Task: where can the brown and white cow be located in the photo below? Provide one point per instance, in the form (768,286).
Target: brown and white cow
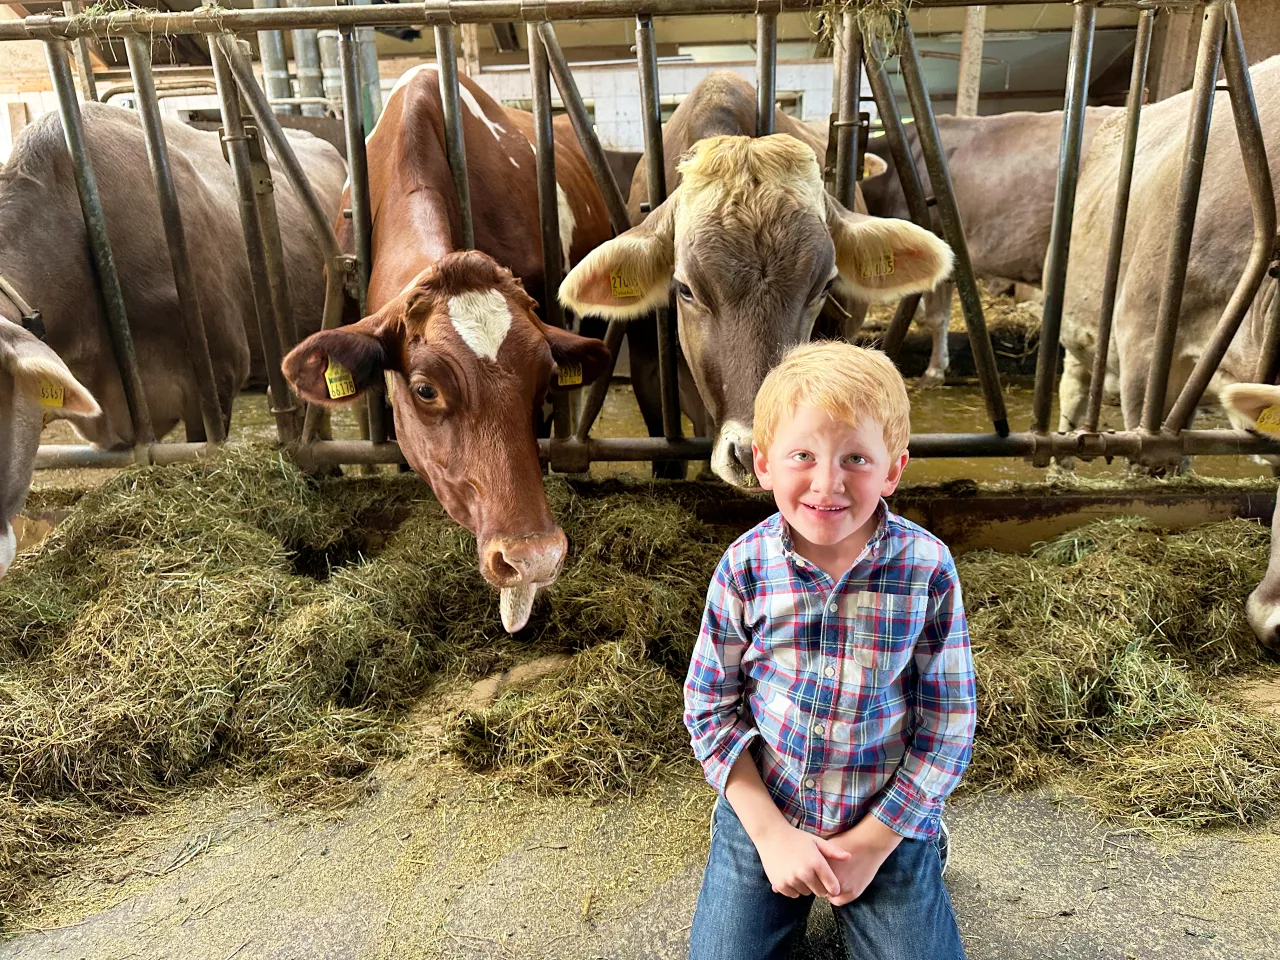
(469,359)
(1246,403)
(1003,171)
(44,254)
(1219,250)
(35,386)
(753,244)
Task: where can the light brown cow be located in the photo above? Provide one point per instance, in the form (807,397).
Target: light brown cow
(35,386)
(1219,249)
(1003,172)
(753,244)
(44,253)
(470,361)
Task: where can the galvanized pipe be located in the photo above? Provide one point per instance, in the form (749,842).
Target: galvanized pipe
(431,12)
(95,224)
(766,71)
(84,57)
(330,66)
(984,357)
(1269,355)
(275,65)
(1084,15)
(598,392)
(281,401)
(656,178)
(370,77)
(361,221)
(615,203)
(306,65)
(454,137)
(1111,280)
(1132,444)
(850,93)
(904,162)
(1184,224)
(184,280)
(1253,150)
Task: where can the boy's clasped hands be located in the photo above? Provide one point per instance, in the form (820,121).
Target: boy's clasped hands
(838,868)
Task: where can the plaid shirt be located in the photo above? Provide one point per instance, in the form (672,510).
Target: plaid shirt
(857,697)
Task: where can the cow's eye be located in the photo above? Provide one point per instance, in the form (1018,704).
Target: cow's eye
(826,289)
(426,392)
(683,291)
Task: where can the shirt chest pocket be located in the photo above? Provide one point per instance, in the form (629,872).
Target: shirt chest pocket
(883,629)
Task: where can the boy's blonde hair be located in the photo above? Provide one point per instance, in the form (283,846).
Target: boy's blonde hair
(848,382)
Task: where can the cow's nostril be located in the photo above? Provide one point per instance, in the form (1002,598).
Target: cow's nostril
(742,453)
(502,570)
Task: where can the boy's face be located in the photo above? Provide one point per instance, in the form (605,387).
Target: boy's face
(826,476)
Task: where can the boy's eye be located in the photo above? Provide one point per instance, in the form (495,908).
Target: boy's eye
(802,456)
(855,458)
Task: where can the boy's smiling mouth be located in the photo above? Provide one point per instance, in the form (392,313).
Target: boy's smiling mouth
(824,508)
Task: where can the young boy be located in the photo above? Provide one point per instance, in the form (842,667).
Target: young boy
(831,694)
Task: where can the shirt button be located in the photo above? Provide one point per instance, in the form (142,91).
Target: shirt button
(819,729)
(809,783)
(833,607)
(830,671)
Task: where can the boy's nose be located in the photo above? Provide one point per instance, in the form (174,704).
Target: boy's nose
(827,479)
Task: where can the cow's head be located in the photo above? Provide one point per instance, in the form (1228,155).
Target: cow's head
(470,365)
(1248,404)
(753,244)
(35,386)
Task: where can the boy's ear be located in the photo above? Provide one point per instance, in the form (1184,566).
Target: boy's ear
(336,366)
(630,275)
(579,360)
(881,258)
(895,474)
(760,463)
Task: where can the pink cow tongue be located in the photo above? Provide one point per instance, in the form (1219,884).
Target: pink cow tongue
(516,603)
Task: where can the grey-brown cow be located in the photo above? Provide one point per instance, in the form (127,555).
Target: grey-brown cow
(1003,171)
(44,253)
(35,386)
(753,244)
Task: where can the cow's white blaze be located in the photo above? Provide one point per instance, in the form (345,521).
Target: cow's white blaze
(723,461)
(8,547)
(567,224)
(482,319)
(473,105)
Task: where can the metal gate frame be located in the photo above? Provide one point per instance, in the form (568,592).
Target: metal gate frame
(1156,443)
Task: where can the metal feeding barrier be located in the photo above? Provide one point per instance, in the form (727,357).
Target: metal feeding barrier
(1157,442)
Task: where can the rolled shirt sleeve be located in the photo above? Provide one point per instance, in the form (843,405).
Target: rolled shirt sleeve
(714,713)
(945,707)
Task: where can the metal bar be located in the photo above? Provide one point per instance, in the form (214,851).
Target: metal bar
(548,206)
(969,71)
(896,334)
(184,281)
(280,398)
(615,203)
(306,65)
(1269,355)
(847,173)
(599,390)
(275,66)
(766,71)
(984,356)
(1184,224)
(431,12)
(1084,16)
(454,139)
(655,170)
(1111,280)
(1253,150)
(1200,443)
(84,57)
(330,66)
(95,224)
(370,77)
(361,222)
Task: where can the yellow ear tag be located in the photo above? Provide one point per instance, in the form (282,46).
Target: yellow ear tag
(882,267)
(1269,421)
(338,379)
(623,287)
(569,375)
(52,393)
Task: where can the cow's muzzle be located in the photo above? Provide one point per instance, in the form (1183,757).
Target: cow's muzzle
(731,459)
(1264,618)
(518,566)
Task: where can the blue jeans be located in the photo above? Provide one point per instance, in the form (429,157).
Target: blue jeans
(904,914)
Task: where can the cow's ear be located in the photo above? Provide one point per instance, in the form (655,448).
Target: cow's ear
(880,258)
(579,360)
(630,275)
(336,366)
(48,379)
(1246,403)
(873,166)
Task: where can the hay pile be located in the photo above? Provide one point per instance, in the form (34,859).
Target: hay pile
(233,619)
